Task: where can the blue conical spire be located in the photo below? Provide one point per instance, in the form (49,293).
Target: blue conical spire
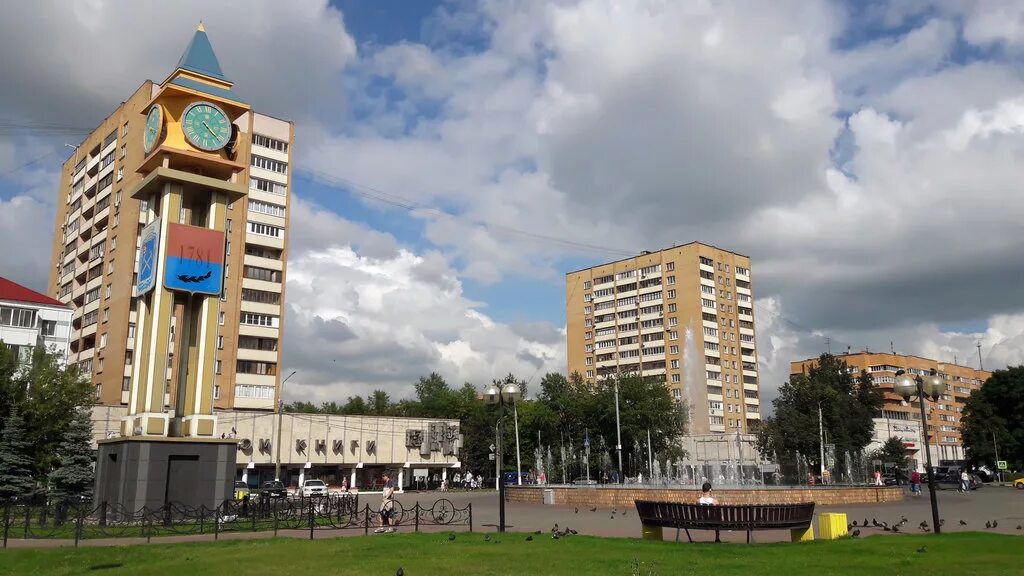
(199,56)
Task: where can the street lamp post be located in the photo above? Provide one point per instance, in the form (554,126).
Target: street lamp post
(508,394)
(280,409)
(930,386)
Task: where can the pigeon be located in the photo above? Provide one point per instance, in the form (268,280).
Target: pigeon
(926,529)
(400,572)
(923,524)
(854,523)
(903,520)
(865,524)
(962,523)
(612,517)
(850,526)
(942,521)
(623,513)
(896,528)
(875,523)
(537,532)
(529,538)
(594,509)
(451,537)
(856,533)
(988,524)
(995,523)
(577,511)
(887,529)
(1019,526)
(555,536)
(573,532)
(487,537)
(922,549)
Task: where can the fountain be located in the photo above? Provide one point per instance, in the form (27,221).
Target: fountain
(538,462)
(693,374)
(656,473)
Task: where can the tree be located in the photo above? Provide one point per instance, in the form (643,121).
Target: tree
(45,394)
(16,470)
(993,416)
(893,451)
(73,476)
(379,403)
(848,406)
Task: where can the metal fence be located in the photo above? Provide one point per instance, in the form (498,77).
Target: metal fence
(85,521)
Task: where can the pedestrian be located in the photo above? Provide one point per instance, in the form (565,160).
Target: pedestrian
(387,505)
(706,499)
(479,481)
(915,483)
(878,478)
(965,481)
(344,485)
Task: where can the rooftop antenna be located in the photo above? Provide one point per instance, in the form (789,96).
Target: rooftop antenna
(980,365)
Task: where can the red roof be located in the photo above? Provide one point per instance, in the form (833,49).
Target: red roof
(18,293)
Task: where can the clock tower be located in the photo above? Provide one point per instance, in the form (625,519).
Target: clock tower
(170,447)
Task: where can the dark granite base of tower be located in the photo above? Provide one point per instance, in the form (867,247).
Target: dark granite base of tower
(151,471)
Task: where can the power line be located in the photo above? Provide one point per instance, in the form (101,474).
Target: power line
(29,163)
(410,205)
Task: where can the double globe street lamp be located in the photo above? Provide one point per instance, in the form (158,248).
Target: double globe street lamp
(931,386)
(501,395)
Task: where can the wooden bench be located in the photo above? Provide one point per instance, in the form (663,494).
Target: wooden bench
(747,517)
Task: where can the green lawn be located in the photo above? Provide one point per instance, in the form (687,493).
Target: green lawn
(961,554)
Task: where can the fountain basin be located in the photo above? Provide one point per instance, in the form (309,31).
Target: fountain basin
(623,496)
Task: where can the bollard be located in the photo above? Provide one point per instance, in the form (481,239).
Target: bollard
(649,532)
(802,534)
(416,510)
(831,525)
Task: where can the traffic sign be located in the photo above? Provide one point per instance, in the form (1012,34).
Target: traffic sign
(1001,464)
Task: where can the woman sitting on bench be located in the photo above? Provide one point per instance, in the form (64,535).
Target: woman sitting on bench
(706,499)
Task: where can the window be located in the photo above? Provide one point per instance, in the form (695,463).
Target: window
(590,373)
(268,164)
(590,360)
(253,319)
(266,230)
(673,349)
(672,321)
(255,343)
(216,391)
(676,392)
(48,327)
(221,319)
(254,367)
(216,366)
(586,285)
(263,274)
(586,309)
(267,186)
(120,174)
(672,293)
(124,150)
(262,252)
(673,335)
(588,322)
(589,348)
(254,391)
(129,356)
(131,330)
(670,266)
(17,317)
(671,280)
(674,364)
(261,296)
(110,267)
(742,271)
(268,142)
(711,346)
(714,375)
(126,384)
(711,332)
(587,336)
(106,315)
(707,303)
(266,208)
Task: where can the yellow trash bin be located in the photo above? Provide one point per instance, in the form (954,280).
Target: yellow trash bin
(651,532)
(802,534)
(831,526)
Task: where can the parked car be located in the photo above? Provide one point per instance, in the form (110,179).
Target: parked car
(584,481)
(510,478)
(273,489)
(314,488)
(1019,483)
(241,490)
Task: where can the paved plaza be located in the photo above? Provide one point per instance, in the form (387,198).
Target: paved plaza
(991,503)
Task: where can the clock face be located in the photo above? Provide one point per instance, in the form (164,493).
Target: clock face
(206,126)
(154,127)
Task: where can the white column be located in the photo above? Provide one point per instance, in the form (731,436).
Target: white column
(302,476)
(401,478)
(444,474)
(352,482)
(245,475)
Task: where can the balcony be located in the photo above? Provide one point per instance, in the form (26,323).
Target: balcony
(258,331)
(752,387)
(261,240)
(268,263)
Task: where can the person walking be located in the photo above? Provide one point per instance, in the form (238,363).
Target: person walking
(965,482)
(915,483)
(387,505)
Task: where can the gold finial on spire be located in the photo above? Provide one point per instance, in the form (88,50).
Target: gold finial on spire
(201,28)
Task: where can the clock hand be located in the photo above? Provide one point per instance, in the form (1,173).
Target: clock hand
(211,130)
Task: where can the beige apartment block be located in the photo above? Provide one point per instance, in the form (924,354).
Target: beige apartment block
(95,260)
(902,419)
(684,314)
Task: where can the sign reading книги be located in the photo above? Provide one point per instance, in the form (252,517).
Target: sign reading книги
(194,259)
